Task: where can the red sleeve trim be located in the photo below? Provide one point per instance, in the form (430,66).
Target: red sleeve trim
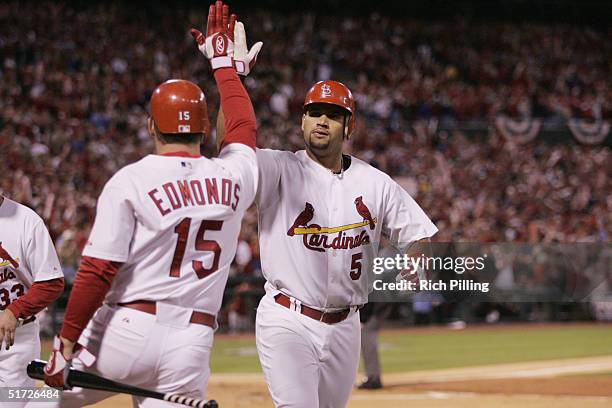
(240,123)
(92,283)
(39,296)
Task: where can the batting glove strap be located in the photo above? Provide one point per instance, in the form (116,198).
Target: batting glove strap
(221,62)
(84,356)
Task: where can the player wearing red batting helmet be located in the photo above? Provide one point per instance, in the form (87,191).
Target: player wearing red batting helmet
(322,215)
(178,107)
(333,93)
(328,120)
(144,303)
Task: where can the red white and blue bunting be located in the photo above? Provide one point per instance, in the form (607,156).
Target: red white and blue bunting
(588,131)
(519,130)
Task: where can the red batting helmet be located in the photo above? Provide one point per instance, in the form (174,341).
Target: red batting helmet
(179,106)
(335,93)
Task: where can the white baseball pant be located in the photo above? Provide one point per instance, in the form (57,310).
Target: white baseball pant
(162,352)
(306,363)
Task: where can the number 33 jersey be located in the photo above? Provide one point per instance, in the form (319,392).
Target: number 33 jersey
(27,254)
(319,232)
(173,221)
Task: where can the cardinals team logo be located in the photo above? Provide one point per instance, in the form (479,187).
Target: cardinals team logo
(318,238)
(7,259)
(326,90)
(363,210)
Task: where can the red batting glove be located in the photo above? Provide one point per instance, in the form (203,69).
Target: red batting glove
(57,368)
(218,46)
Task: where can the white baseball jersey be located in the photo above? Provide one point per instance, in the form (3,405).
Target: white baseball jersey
(174,222)
(319,232)
(27,254)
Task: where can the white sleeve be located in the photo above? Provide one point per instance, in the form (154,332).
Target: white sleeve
(42,257)
(241,162)
(113,228)
(404,220)
(269,162)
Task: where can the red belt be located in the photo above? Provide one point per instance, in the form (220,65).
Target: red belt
(325,317)
(149,307)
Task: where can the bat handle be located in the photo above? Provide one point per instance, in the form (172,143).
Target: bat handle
(190,402)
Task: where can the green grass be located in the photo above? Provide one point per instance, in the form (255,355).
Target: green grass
(424,351)
(447,348)
(410,351)
(234,356)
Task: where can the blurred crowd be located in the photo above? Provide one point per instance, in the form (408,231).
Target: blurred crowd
(75,85)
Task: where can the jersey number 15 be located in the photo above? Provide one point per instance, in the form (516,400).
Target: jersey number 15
(201,244)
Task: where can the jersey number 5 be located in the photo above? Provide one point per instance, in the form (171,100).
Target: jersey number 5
(201,244)
(356,266)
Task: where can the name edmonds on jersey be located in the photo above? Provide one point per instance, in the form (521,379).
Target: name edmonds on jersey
(182,193)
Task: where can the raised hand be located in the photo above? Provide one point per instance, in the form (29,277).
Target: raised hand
(218,45)
(244,59)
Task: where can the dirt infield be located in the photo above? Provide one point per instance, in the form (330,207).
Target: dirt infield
(249,397)
(583,386)
(542,367)
(511,386)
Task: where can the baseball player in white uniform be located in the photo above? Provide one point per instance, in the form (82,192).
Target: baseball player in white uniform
(321,218)
(30,279)
(165,233)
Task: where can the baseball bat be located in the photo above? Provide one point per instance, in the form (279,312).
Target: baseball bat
(82,379)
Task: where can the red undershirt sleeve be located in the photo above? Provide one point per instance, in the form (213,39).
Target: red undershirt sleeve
(39,296)
(240,123)
(92,283)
